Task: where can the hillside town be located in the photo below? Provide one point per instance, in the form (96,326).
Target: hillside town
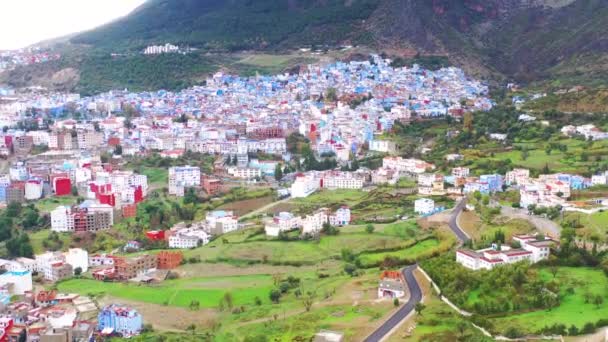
(296,135)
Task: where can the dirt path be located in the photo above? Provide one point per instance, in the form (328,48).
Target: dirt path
(264,208)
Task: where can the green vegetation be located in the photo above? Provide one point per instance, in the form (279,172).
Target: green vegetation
(418,250)
(591,227)
(15,221)
(585,101)
(179,292)
(155,167)
(507,289)
(44,240)
(46,205)
(219,25)
(426,62)
(578,288)
(380,205)
(139,72)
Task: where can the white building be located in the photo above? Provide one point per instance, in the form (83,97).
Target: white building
(282,222)
(77,257)
(517,176)
(312,224)
(414,166)
(183,177)
(304,185)
(532,250)
(244,173)
(461,172)
(385,146)
(62,220)
(341,217)
(17,282)
(45,262)
(188,238)
(33,189)
(160,49)
(221,222)
(424,206)
(342,180)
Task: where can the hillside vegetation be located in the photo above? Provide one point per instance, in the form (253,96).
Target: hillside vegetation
(526,40)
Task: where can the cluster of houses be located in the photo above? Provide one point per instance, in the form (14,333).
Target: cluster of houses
(238,117)
(144,268)
(589,131)
(49,316)
(184,177)
(108,194)
(12,58)
(310,224)
(196,234)
(531,249)
(51,266)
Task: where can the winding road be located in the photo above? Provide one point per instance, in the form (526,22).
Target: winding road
(453,223)
(404,311)
(415,293)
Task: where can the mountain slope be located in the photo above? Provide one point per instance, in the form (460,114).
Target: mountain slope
(523,39)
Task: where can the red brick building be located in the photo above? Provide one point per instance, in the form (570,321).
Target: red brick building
(211,185)
(129,210)
(169,260)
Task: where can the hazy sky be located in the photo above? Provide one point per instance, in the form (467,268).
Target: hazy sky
(25,22)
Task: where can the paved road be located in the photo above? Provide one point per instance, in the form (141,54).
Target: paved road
(401,314)
(453,223)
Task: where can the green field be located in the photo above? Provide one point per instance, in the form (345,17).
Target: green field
(572,309)
(243,247)
(180,292)
(570,160)
(423,248)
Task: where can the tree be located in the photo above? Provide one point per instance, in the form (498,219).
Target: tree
(308,300)
(462,329)
(419,308)
(78,271)
(191,328)
(350,269)
(554,270)
(598,300)
(396,302)
(278,172)
(257,301)
(74,190)
(195,305)
(274,295)
(228,300)
(369,228)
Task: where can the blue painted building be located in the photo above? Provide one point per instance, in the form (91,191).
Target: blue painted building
(120,319)
(494,182)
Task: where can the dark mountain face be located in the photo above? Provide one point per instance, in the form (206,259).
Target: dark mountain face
(522,39)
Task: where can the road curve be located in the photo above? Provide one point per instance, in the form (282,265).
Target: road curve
(453,223)
(406,309)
